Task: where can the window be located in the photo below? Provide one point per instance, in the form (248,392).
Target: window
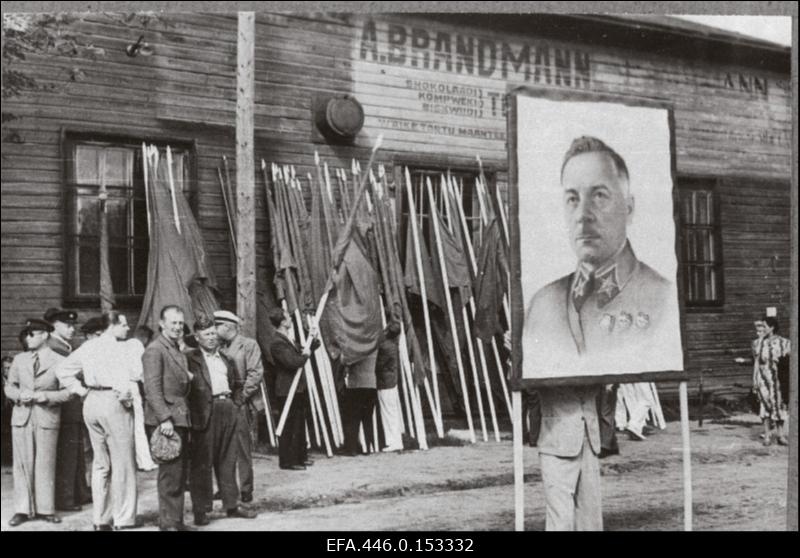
(701,253)
(117,166)
(466,190)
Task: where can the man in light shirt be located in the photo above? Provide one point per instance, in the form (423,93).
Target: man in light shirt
(214,405)
(107,411)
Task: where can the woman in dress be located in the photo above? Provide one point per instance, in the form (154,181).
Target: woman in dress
(771,358)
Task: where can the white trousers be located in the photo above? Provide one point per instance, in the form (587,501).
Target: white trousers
(144,460)
(572,491)
(391,417)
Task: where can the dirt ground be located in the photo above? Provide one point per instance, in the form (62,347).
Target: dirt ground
(737,485)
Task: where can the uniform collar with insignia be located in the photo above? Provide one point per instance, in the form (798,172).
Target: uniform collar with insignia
(607,280)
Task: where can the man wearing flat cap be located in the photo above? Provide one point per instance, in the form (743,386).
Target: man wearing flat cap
(34,390)
(72,490)
(246,355)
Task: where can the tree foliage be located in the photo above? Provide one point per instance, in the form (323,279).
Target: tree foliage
(53,34)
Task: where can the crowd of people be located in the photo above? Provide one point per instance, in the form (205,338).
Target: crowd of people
(183,402)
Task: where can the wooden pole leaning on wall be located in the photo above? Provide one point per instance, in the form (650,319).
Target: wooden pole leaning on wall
(495,351)
(450,311)
(687,458)
(245,173)
(445,186)
(471,304)
(412,213)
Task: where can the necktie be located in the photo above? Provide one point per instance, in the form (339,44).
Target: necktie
(35,363)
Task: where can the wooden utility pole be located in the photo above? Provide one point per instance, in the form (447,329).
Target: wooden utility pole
(245,174)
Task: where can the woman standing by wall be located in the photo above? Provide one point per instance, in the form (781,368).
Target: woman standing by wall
(771,360)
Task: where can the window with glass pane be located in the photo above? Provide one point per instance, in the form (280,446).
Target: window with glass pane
(700,246)
(118,167)
(466,192)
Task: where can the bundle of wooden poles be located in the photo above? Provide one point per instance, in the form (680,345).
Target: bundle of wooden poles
(363,195)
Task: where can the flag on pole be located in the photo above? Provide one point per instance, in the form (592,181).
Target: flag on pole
(490,283)
(354,306)
(178,271)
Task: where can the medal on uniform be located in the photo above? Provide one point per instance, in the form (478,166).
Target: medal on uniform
(607,322)
(624,322)
(642,320)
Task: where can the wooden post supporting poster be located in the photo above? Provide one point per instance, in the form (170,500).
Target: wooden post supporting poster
(519,463)
(687,459)
(245,174)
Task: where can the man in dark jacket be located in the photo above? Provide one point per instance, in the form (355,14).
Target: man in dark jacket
(72,490)
(214,408)
(288,359)
(167,382)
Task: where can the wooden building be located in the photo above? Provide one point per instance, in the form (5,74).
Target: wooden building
(434,85)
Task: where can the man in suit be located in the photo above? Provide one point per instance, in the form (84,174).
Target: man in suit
(167,383)
(32,387)
(613,314)
(214,407)
(287,360)
(71,488)
(246,354)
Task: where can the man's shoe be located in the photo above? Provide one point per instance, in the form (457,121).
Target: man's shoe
(389,449)
(103,527)
(308,462)
(635,436)
(18,519)
(201,519)
(241,512)
(247,497)
(782,441)
(126,527)
(291,468)
(604,452)
(50,518)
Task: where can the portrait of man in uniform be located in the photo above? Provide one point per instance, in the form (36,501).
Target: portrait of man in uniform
(609,310)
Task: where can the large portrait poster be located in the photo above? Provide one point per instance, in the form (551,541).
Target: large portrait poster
(597,291)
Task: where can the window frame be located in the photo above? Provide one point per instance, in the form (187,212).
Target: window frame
(69,137)
(713,185)
(438,163)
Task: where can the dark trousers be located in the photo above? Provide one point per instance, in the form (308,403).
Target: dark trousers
(172,482)
(359,403)
(244,442)
(292,448)
(606,409)
(214,450)
(71,486)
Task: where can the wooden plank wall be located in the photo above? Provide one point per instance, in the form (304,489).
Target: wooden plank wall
(731,122)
